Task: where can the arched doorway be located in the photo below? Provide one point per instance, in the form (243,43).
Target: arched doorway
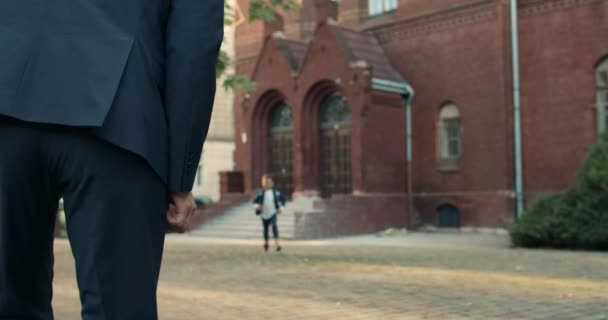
(335,125)
(280,140)
(449,216)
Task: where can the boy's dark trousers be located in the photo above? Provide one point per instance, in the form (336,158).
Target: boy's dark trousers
(267,224)
(116,219)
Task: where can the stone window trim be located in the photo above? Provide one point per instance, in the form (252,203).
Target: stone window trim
(601,91)
(449,138)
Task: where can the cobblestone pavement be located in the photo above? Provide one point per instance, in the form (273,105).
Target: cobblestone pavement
(237,281)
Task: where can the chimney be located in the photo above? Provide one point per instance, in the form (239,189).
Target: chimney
(316,12)
(249,37)
(351,12)
(325,10)
(270,27)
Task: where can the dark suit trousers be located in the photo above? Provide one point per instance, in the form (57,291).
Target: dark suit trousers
(115,210)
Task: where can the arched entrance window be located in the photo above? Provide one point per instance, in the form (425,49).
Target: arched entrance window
(335,123)
(281,147)
(449,216)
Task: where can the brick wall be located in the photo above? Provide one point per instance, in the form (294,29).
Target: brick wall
(561,42)
(494,209)
(384,146)
(459,52)
(458,56)
(351,215)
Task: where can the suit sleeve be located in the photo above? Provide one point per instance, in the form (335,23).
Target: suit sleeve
(194,35)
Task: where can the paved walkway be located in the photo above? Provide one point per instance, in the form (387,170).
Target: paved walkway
(435,240)
(361,278)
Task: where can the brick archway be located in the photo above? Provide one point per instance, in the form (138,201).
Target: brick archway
(260,124)
(310,166)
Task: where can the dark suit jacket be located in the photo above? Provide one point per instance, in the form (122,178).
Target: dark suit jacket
(139,73)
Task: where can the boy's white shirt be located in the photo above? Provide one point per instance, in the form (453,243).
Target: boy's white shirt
(268,207)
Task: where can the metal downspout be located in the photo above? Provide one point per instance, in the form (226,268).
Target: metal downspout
(409,154)
(517,134)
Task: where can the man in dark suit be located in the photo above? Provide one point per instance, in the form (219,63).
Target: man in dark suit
(105,103)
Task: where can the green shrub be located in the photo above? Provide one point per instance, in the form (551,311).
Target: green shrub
(577,219)
(540,223)
(587,219)
(594,173)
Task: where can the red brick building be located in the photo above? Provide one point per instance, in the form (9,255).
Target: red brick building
(322,121)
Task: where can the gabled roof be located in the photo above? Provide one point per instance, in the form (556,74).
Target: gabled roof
(293,51)
(360,49)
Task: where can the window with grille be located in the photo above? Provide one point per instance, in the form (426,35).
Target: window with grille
(601,75)
(336,168)
(281,147)
(376,7)
(449,138)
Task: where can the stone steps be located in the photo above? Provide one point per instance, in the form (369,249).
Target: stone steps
(242,223)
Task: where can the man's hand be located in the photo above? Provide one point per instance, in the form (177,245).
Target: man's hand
(181,208)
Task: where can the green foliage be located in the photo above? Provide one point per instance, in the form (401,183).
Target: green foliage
(239,82)
(576,219)
(232,81)
(223,62)
(536,226)
(594,173)
(259,10)
(265,10)
(228,14)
